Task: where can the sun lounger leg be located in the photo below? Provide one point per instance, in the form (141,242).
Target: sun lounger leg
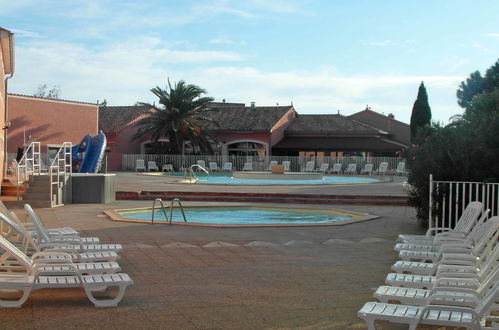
(16,303)
(112,302)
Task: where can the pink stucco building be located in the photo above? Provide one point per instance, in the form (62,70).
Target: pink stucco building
(6,70)
(263,131)
(49,121)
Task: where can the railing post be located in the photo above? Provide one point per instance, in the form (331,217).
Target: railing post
(430,203)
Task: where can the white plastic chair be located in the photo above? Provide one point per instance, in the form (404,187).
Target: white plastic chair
(286,164)
(382,168)
(167,168)
(309,166)
(248,166)
(272,163)
(151,166)
(351,169)
(323,168)
(139,165)
(213,166)
(368,169)
(400,170)
(337,168)
(227,167)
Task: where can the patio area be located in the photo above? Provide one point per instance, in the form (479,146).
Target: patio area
(229,278)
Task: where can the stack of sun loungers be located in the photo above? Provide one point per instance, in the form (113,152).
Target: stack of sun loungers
(446,279)
(33,257)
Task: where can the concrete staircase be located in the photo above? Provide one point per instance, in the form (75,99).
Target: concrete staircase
(38,192)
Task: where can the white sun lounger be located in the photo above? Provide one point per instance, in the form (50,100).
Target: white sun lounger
(227,167)
(309,166)
(467,261)
(19,236)
(248,166)
(476,241)
(77,243)
(457,316)
(286,164)
(444,293)
(323,168)
(91,284)
(463,226)
(368,169)
(382,168)
(469,240)
(351,169)
(337,168)
(14,260)
(62,231)
(213,167)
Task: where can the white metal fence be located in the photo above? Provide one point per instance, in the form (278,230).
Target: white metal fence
(448,199)
(297,163)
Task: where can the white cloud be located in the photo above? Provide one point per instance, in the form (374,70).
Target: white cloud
(226,41)
(492,35)
(123,73)
(25,34)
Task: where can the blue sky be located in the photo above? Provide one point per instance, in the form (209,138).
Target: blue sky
(323,56)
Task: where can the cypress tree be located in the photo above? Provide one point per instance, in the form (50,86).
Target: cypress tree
(421,111)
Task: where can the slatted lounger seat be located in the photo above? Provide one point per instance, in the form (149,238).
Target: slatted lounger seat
(443,294)
(463,226)
(74,243)
(469,240)
(14,260)
(24,242)
(480,237)
(92,284)
(53,232)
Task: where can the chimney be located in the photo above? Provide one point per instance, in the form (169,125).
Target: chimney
(223,100)
(391,116)
(252,107)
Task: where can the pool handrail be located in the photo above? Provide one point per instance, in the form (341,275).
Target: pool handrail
(160,201)
(193,175)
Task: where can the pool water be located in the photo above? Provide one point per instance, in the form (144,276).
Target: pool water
(226,179)
(243,215)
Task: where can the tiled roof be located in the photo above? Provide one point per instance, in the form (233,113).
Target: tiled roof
(241,118)
(328,124)
(114,119)
(399,131)
(371,143)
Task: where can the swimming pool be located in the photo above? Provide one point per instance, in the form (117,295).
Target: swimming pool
(226,179)
(242,216)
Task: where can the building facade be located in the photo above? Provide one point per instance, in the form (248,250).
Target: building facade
(7,71)
(263,131)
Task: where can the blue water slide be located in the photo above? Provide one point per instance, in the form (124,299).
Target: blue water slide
(92,160)
(78,151)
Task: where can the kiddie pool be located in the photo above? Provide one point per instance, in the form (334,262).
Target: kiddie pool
(242,216)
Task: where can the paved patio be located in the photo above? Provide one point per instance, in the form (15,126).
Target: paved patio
(228,278)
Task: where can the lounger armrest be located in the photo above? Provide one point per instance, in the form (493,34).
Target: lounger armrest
(74,244)
(458,259)
(449,248)
(451,235)
(437,297)
(42,257)
(457,271)
(66,238)
(445,282)
(57,247)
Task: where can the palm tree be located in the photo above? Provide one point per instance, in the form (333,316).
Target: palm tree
(181,118)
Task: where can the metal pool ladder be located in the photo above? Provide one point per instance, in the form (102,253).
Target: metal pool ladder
(172,202)
(191,175)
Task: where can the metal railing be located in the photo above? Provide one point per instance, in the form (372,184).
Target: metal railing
(29,164)
(59,172)
(448,199)
(191,175)
(297,163)
(172,202)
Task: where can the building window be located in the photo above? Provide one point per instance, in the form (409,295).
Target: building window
(246,149)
